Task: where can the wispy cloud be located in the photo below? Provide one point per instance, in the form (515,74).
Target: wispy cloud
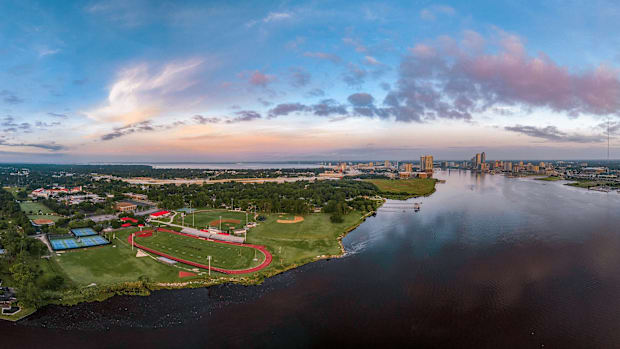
(139,127)
(432,12)
(45,51)
(299,77)
(324,56)
(271,17)
(57,115)
(202,120)
(52,146)
(553,134)
(10,97)
(258,78)
(144,91)
(244,116)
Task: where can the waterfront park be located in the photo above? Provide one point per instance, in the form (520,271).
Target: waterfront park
(283,246)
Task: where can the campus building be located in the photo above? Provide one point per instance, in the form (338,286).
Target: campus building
(47,193)
(125,206)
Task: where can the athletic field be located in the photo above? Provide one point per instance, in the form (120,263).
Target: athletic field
(223,255)
(33,208)
(230,219)
(112,264)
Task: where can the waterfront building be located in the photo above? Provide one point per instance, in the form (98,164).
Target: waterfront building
(426,163)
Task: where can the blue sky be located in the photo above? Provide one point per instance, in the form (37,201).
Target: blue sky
(335,80)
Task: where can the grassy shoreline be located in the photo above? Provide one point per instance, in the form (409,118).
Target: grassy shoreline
(298,244)
(403,189)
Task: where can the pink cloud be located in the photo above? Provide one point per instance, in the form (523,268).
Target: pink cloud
(257,78)
(454,79)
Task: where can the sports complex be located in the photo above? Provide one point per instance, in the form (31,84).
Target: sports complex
(81,238)
(220,219)
(195,251)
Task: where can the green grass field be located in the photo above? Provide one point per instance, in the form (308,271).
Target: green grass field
(290,244)
(202,219)
(405,187)
(108,265)
(300,243)
(54,218)
(223,255)
(549,179)
(286,216)
(32,207)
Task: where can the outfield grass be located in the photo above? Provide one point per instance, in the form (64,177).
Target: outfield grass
(286,216)
(32,207)
(224,256)
(202,219)
(54,218)
(300,243)
(109,265)
(399,188)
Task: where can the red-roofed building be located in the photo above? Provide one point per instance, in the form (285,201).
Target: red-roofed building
(160,214)
(126,225)
(46,193)
(129,219)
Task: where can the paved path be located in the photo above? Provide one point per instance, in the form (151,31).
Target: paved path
(262,249)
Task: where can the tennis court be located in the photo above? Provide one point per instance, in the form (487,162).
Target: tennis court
(79,232)
(73,243)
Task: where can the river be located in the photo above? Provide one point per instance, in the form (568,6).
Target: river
(488,262)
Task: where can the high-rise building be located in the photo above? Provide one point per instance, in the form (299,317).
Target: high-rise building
(483,157)
(408,167)
(426,163)
(387,164)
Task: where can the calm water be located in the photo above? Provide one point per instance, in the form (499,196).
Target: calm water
(488,262)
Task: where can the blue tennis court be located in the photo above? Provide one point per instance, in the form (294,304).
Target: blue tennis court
(78,232)
(73,243)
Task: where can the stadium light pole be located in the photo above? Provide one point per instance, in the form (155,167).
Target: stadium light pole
(220,223)
(193,216)
(209,258)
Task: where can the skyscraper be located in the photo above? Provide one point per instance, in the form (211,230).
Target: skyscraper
(426,163)
(483,157)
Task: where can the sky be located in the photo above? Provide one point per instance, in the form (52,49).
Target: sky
(196,81)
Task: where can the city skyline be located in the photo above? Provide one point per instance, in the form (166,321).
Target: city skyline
(145,81)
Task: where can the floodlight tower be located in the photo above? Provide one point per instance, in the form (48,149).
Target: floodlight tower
(209,258)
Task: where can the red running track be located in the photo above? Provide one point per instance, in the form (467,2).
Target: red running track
(262,249)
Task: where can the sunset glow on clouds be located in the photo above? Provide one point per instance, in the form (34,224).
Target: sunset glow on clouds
(146,81)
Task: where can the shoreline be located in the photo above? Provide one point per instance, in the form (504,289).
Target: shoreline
(142,288)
